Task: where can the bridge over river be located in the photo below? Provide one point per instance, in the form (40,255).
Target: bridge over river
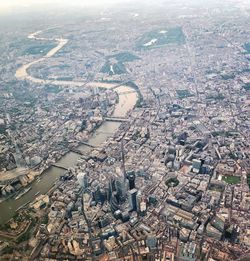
(126,102)
(116,119)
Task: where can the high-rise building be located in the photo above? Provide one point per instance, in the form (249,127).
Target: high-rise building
(177,163)
(113,202)
(123,162)
(171,150)
(131,179)
(121,188)
(132,199)
(96,193)
(125,216)
(196,164)
(82,179)
(142,205)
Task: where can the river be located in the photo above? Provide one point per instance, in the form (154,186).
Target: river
(127,100)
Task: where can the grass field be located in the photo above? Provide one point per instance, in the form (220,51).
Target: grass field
(247,47)
(183,93)
(247,86)
(117,65)
(231,179)
(52,88)
(39,48)
(172,182)
(117,68)
(24,46)
(248,179)
(124,57)
(159,38)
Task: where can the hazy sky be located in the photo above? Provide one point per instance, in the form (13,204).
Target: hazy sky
(7,6)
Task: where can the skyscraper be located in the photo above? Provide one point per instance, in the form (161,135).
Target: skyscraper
(114,205)
(141,203)
(123,163)
(196,164)
(131,179)
(132,199)
(82,179)
(121,189)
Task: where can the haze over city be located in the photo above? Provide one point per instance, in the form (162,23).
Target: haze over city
(124,130)
(14,5)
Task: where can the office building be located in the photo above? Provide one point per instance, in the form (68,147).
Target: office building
(131,179)
(132,199)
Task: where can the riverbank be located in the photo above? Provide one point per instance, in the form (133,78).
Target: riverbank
(128,97)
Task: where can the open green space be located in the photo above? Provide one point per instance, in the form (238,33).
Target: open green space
(247,47)
(124,57)
(31,47)
(26,98)
(42,48)
(231,179)
(112,69)
(227,76)
(172,182)
(117,67)
(2,129)
(183,93)
(65,78)
(27,234)
(248,179)
(60,66)
(161,37)
(217,97)
(216,187)
(246,86)
(52,88)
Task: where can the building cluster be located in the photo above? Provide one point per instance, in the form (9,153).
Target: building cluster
(173,182)
(37,134)
(157,189)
